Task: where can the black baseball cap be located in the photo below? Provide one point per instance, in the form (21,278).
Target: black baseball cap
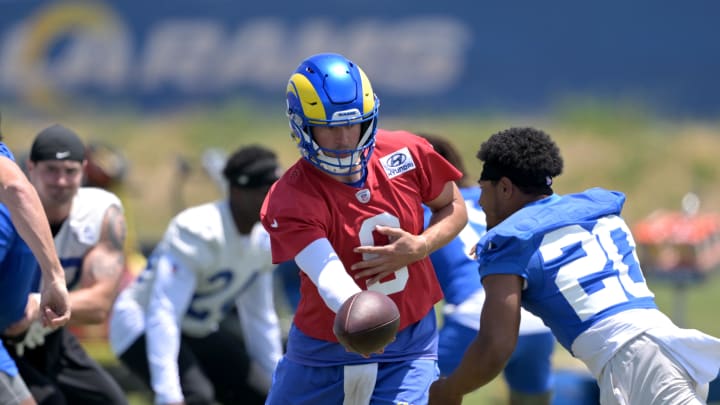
(252,166)
(57,143)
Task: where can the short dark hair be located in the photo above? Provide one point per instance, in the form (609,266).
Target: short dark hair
(527,156)
(446,149)
(251,166)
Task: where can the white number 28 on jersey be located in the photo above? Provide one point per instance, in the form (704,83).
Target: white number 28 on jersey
(602,247)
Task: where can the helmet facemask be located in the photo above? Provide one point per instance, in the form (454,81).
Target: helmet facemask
(335,161)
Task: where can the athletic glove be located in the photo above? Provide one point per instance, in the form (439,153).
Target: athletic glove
(34,337)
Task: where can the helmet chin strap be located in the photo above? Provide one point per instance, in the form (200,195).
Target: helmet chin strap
(340,165)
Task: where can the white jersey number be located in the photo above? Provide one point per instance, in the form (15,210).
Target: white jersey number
(366,239)
(602,259)
(216,300)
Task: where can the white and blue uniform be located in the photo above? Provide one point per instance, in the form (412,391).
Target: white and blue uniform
(201,268)
(529,370)
(582,277)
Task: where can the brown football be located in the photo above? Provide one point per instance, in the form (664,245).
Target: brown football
(367,322)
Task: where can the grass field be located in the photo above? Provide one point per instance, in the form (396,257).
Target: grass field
(654,161)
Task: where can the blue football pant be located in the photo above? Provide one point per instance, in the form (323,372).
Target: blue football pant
(405,382)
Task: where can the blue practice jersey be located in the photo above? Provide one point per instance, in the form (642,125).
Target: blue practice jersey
(577,256)
(17,267)
(456,270)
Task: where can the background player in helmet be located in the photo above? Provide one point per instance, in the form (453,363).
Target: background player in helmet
(350,214)
(88,227)
(571,260)
(528,372)
(169,324)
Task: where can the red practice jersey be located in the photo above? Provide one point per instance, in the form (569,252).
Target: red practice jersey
(305,205)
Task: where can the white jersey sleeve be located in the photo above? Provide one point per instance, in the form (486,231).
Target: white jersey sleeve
(194,237)
(170,296)
(260,328)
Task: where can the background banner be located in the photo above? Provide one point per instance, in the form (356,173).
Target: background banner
(422,56)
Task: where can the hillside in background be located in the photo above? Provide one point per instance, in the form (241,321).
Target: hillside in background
(654,162)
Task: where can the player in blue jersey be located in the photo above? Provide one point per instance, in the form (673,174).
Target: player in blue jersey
(25,242)
(571,261)
(528,372)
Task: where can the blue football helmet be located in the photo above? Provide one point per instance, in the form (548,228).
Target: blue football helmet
(330,90)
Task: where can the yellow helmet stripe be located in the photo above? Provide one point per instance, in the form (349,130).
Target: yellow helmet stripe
(312,106)
(368,96)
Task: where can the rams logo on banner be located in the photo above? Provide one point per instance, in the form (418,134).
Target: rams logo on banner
(60,23)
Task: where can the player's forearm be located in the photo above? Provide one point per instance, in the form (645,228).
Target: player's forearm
(320,262)
(260,324)
(481,363)
(446,222)
(91,305)
(163,345)
(28,217)
(172,292)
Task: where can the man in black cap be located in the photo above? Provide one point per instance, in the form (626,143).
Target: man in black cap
(25,244)
(170,325)
(88,227)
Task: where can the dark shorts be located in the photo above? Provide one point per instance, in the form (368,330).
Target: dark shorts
(61,372)
(212,369)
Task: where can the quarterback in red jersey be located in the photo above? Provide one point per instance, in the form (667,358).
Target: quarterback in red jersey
(350,214)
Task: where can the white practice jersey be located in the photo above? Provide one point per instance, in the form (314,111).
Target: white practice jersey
(201,267)
(81,230)
(204,240)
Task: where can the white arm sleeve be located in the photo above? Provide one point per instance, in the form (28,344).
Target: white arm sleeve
(171,294)
(320,262)
(260,328)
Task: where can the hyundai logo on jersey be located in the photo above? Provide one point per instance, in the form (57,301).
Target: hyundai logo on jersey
(397,159)
(397,162)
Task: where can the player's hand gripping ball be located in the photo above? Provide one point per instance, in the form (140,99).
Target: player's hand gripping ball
(367,322)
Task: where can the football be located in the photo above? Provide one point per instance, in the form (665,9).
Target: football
(367,322)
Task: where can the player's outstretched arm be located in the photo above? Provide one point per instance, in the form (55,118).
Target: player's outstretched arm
(261,330)
(486,356)
(172,292)
(28,217)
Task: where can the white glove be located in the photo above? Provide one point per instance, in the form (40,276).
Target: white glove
(34,337)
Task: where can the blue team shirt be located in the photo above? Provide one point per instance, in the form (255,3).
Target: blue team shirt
(17,269)
(456,270)
(577,257)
